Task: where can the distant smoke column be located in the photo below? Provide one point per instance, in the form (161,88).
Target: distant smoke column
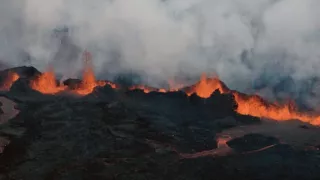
(67,57)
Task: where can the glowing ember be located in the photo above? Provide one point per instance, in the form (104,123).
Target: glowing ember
(11,78)
(162,90)
(46,83)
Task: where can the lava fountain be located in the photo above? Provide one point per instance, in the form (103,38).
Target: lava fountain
(10,79)
(89,81)
(206,86)
(46,83)
(247,104)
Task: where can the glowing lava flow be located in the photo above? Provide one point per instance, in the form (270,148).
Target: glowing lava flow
(252,104)
(222,150)
(46,83)
(256,106)
(89,81)
(247,104)
(206,86)
(11,78)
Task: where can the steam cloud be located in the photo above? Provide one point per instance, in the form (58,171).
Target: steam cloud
(250,44)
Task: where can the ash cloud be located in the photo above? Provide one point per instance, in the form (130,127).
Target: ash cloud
(250,44)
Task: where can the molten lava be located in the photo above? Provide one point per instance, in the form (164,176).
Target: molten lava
(206,86)
(247,104)
(252,104)
(10,79)
(46,83)
(256,106)
(89,81)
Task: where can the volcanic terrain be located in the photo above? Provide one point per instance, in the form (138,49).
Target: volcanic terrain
(97,129)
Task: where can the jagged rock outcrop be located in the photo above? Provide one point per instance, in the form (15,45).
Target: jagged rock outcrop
(23,71)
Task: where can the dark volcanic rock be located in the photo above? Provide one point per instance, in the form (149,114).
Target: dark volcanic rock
(22,88)
(21,91)
(104,93)
(23,71)
(21,85)
(304,126)
(191,120)
(223,104)
(105,90)
(72,83)
(246,119)
(127,79)
(140,136)
(252,142)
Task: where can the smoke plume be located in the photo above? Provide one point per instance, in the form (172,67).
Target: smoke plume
(271,46)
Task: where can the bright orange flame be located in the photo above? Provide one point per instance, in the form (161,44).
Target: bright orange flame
(162,90)
(256,106)
(89,81)
(46,83)
(206,86)
(252,104)
(11,78)
(247,104)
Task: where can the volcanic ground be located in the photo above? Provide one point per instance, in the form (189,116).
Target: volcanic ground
(90,129)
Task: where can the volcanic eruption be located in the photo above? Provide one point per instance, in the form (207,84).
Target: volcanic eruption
(184,121)
(46,83)
(252,105)
(159,89)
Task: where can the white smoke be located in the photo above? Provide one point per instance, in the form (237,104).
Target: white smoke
(163,39)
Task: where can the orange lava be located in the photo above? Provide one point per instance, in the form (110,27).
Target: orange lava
(256,106)
(10,79)
(89,81)
(206,86)
(252,104)
(46,83)
(247,104)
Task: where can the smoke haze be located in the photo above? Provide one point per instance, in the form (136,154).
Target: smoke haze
(250,44)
